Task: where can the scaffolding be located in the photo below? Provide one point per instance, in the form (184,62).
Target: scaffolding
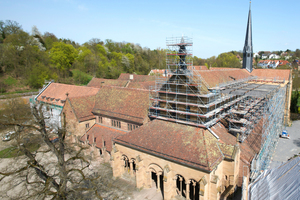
(273,116)
(186,97)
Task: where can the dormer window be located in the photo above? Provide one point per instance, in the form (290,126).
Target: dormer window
(43,97)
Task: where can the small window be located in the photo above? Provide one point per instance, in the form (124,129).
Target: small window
(95,139)
(130,127)
(87,125)
(87,137)
(104,143)
(100,120)
(116,123)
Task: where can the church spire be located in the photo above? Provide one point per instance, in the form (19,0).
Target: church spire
(248,48)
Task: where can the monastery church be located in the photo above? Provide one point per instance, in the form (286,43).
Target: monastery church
(197,133)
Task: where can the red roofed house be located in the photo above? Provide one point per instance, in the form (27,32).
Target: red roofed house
(54,95)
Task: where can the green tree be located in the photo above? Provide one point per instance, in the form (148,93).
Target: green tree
(228,60)
(7,28)
(63,55)
(49,39)
(294,100)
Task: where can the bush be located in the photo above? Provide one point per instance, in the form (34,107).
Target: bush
(3,87)
(81,78)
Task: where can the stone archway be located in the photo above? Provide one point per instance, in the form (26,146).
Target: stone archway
(188,189)
(180,186)
(194,190)
(126,165)
(156,177)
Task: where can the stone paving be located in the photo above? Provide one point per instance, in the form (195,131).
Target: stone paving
(286,148)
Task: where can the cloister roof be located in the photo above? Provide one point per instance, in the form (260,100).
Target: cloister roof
(184,144)
(102,134)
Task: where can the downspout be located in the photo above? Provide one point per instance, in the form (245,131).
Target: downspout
(43,90)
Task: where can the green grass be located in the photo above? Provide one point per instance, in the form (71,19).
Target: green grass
(14,151)
(20,91)
(10,81)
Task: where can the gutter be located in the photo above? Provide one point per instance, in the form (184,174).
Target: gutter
(214,134)
(43,90)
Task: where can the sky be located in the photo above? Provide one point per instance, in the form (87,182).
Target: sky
(216,26)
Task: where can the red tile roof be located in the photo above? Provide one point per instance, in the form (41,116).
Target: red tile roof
(142,85)
(216,77)
(82,107)
(123,103)
(102,134)
(187,145)
(55,93)
(99,82)
(282,74)
(136,78)
(201,67)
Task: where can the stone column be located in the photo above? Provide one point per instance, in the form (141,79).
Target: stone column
(131,167)
(194,188)
(187,186)
(180,185)
(158,180)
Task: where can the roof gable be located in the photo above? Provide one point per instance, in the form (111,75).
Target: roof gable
(82,107)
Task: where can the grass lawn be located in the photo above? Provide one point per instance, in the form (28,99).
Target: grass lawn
(14,151)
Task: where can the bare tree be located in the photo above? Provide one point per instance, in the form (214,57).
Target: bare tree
(57,170)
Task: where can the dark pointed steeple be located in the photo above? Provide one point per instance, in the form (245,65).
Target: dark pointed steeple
(248,48)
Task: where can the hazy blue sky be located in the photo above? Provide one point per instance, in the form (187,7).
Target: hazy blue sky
(216,26)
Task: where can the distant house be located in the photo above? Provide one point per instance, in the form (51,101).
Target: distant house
(263,63)
(274,56)
(256,55)
(272,63)
(283,62)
